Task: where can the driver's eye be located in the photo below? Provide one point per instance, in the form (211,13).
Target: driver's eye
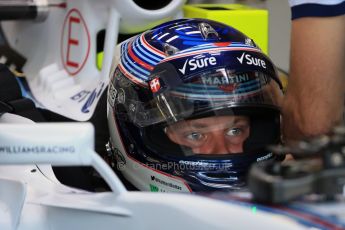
(234,132)
(195,136)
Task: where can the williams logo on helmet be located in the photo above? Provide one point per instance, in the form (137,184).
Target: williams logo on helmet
(197,63)
(251,60)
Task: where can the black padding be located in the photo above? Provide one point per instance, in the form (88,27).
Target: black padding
(11,97)
(9,88)
(77,177)
(264,131)
(157,141)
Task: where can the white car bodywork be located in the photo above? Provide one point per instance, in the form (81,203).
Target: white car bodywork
(32,198)
(61,68)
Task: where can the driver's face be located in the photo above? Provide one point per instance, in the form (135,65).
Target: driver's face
(212,135)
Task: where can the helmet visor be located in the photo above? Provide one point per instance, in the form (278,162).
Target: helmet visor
(211,93)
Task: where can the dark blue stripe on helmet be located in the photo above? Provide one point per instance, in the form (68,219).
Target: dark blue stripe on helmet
(139,52)
(127,62)
(197,39)
(214,90)
(194,43)
(154,57)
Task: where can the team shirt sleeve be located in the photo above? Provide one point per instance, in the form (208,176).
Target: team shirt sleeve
(316,8)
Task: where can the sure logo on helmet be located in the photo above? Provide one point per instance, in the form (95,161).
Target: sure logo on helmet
(194,64)
(252,60)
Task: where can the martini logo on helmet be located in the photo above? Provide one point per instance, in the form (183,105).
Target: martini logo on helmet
(197,63)
(251,60)
(225,80)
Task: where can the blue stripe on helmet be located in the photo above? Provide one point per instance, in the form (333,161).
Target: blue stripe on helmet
(127,62)
(137,48)
(214,90)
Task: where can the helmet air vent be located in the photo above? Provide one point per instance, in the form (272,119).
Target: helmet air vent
(169,49)
(207,31)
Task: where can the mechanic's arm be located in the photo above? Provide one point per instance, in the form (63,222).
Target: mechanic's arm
(315,94)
